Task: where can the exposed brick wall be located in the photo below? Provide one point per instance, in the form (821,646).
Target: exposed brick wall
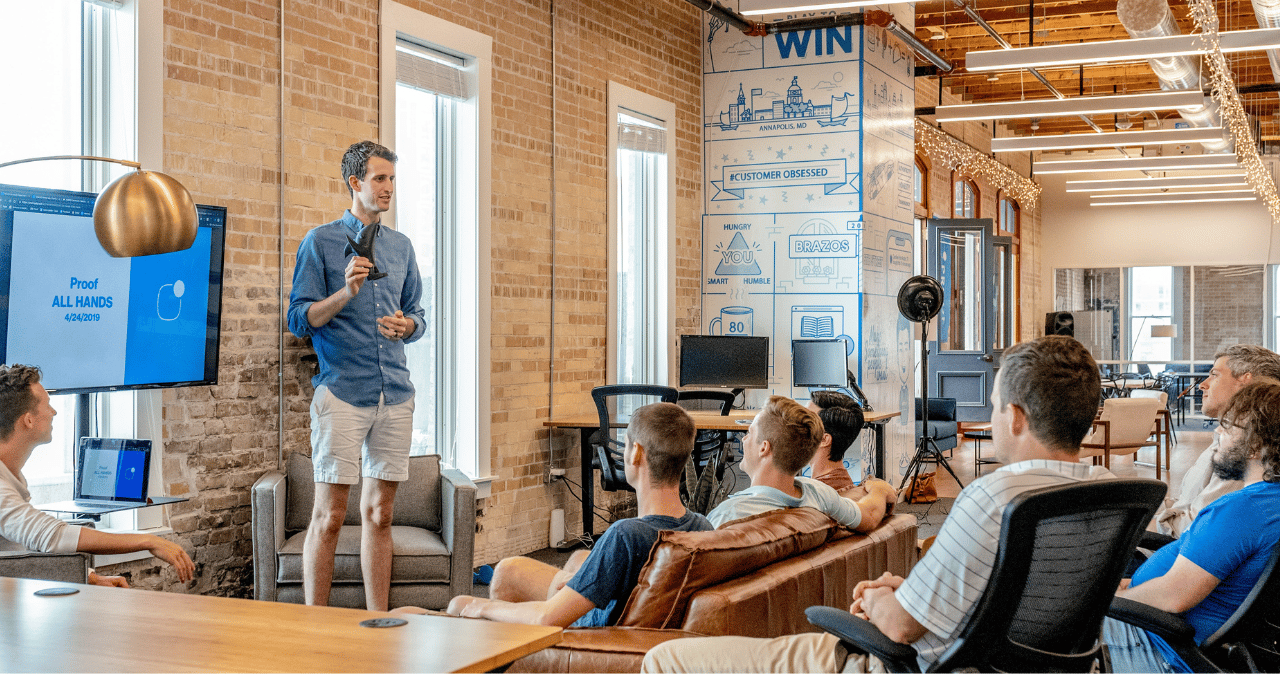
(1229,308)
(220,139)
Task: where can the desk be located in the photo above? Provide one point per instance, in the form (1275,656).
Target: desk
(104,629)
(1184,381)
(736,421)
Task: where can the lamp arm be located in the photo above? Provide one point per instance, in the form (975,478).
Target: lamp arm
(126,162)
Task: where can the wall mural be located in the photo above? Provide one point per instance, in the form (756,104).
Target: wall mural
(807,226)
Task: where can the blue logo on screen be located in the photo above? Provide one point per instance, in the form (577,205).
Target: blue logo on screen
(131,475)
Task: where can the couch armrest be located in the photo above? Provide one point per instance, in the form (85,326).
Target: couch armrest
(67,567)
(458,527)
(268,503)
(598,649)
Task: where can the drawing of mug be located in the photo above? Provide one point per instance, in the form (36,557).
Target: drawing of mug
(732,321)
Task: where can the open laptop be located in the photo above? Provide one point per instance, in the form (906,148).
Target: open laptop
(110,474)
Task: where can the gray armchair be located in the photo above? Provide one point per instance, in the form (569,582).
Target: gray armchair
(66,567)
(432,533)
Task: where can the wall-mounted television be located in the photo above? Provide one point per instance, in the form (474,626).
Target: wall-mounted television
(724,361)
(92,322)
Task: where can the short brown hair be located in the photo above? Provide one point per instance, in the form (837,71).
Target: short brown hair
(1252,359)
(666,432)
(841,418)
(1056,383)
(793,431)
(1254,409)
(355,161)
(16,398)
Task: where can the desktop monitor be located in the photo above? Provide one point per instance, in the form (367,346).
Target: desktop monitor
(819,363)
(723,361)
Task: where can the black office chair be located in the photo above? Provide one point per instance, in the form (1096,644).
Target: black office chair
(1061,554)
(609,448)
(704,470)
(1249,641)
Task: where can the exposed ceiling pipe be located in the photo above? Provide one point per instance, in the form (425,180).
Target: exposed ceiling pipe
(871,17)
(1268,13)
(1152,18)
(1004,44)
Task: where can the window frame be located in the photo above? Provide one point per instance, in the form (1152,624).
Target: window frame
(623,97)
(956,182)
(471,339)
(922,206)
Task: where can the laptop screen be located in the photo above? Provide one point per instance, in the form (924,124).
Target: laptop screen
(112,469)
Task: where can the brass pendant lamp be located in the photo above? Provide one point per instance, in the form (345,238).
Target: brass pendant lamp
(140,213)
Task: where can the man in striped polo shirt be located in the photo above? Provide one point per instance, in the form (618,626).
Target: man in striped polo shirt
(1043,404)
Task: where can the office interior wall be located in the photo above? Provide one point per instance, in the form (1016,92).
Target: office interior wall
(807,227)
(221,115)
(1079,236)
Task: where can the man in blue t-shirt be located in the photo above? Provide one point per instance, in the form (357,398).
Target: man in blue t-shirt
(1208,571)
(593,587)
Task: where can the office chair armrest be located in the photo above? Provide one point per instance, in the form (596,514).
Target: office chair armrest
(860,636)
(1154,541)
(1166,625)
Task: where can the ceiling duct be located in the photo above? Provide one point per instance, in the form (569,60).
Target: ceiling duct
(1152,18)
(1268,13)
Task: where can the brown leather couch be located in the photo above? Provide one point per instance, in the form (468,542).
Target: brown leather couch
(754,577)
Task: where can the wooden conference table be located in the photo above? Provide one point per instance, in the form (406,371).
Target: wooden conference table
(737,420)
(102,629)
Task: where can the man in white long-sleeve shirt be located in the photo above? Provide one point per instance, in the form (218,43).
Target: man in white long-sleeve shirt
(1233,368)
(26,422)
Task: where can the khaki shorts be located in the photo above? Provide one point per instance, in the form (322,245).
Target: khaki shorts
(339,431)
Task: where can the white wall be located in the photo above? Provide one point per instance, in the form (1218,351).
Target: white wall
(1078,235)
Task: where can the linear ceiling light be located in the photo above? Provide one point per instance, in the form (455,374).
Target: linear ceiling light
(1216,180)
(1080,105)
(1170,200)
(757,7)
(1130,195)
(1077,141)
(1194,161)
(1132,49)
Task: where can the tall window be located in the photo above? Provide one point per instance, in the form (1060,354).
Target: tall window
(89,87)
(1009,215)
(965,199)
(1151,302)
(642,146)
(921,187)
(435,112)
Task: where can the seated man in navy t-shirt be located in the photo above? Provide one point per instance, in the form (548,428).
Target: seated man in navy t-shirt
(1210,569)
(593,588)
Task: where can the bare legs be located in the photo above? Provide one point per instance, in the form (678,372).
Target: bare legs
(376,500)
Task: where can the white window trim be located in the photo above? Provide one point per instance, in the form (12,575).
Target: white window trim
(622,96)
(473,341)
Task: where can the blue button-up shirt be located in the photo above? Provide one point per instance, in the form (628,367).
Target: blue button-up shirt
(356,362)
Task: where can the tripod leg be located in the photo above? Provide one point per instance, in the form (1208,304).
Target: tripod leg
(942,461)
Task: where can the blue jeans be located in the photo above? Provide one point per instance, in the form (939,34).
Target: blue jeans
(1130,649)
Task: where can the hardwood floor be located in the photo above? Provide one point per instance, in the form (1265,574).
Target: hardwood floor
(1184,452)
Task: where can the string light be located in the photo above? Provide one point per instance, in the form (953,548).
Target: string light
(955,154)
(1231,108)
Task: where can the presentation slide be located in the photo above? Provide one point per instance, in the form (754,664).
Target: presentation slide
(98,475)
(88,319)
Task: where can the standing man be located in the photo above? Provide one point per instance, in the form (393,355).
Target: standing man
(26,422)
(359,313)
(1233,368)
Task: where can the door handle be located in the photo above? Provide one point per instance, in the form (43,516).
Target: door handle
(987,358)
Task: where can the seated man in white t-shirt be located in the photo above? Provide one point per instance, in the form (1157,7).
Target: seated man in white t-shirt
(1045,397)
(779,444)
(26,422)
